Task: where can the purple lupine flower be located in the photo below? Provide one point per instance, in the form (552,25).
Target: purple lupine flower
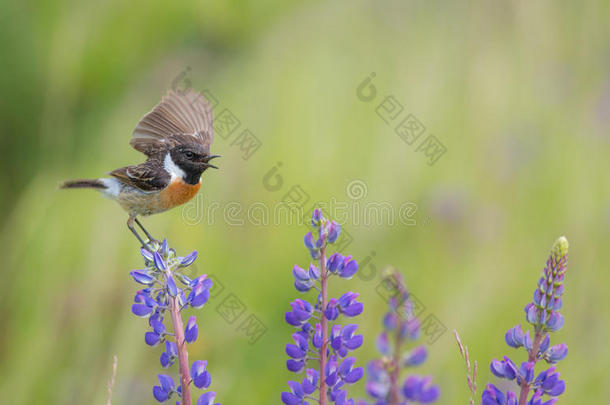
(191,331)
(142,277)
(157,335)
(200,292)
(164,391)
(300,314)
(343,340)
(383,375)
(556,353)
(199,374)
(543,314)
(207,398)
(504,369)
(493,396)
(418,389)
(415,357)
(169,356)
(537,399)
(298,353)
(317,341)
(333,232)
(168,292)
(348,305)
(378,384)
(382,344)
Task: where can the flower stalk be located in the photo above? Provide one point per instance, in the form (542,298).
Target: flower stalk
(532,358)
(384,384)
(168,289)
(319,339)
(543,314)
(324,321)
(183,356)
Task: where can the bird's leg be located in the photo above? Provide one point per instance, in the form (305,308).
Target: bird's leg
(148,235)
(133,230)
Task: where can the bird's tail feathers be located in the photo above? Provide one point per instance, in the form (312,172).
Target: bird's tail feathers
(84,183)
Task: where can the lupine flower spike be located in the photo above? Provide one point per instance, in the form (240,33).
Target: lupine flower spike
(169,290)
(384,383)
(321,347)
(543,314)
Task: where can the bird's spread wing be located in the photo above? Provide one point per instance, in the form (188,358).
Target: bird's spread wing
(178,114)
(146,176)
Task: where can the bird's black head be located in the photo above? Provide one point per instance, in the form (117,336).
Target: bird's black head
(193,159)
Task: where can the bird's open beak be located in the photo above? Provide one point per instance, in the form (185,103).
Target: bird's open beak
(207,160)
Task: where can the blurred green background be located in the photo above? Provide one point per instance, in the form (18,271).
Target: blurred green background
(518,92)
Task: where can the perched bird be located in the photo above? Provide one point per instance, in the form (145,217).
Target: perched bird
(176,137)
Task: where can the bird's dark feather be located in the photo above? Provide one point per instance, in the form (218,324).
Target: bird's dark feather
(148,176)
(179,114)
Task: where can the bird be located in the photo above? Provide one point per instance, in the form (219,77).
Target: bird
(175,136)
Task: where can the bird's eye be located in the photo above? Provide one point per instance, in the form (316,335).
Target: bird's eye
(189,154)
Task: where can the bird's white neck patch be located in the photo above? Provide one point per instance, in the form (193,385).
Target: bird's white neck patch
(172,168)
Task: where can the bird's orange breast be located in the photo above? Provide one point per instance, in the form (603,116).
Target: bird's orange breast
(178,192)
